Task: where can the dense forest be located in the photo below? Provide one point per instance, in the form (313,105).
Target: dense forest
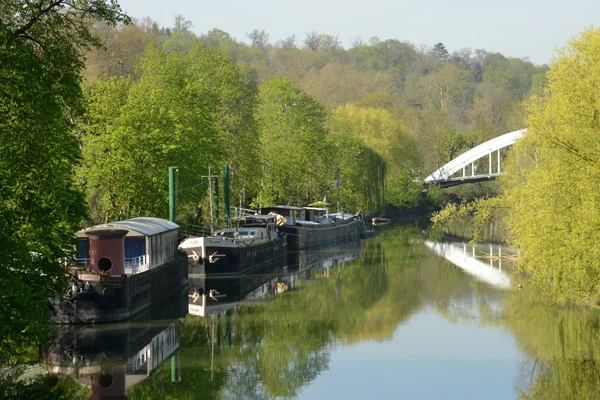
(291,117)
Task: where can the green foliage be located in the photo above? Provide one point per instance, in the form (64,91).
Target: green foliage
(190,110)
(390,140)
(295,146)
(39,387)
(453,144)
(443,103)
(439,51)
(561,342)
(277,347)
(361,169)
(40,208)
(479,214)
(552,188)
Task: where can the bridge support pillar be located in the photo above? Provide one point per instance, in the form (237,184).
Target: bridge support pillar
(498,160)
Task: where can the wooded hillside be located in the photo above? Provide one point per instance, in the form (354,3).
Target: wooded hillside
(291,116)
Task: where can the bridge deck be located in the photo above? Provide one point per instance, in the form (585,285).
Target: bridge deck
(443,176)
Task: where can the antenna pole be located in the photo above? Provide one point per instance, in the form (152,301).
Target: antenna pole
(210,200)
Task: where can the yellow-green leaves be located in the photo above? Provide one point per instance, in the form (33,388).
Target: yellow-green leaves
(389,139)
(190,110)
(553,185)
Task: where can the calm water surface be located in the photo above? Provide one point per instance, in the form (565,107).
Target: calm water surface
(397,316)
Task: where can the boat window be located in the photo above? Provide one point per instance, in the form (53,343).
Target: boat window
(243,233)
(84,249)
(226,234)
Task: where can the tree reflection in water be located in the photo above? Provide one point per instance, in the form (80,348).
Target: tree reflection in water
(277,346)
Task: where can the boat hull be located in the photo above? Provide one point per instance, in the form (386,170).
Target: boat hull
(308,236)
(121,298)
(220,257)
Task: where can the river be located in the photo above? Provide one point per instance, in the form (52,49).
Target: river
(401,315)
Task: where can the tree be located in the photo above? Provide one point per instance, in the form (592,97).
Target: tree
(191,110)
(357,42)
(439,52)
(181,26)
(312,40)
(289,43)
(259,39)
(391,141)
(360,169)
(335,84)
(120,52)
(553,181)
(40,207)
(215,36)
(328,43)
(295,148)
(449,87)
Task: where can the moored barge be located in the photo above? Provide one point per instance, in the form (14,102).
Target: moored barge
(308,227)
(254,241)
(123,268)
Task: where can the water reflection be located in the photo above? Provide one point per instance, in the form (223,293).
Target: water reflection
(216,295)
(463,255)
(392,316)
(562,346)
(112,359)
(108,359)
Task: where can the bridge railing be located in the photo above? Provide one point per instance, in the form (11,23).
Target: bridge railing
(467,161)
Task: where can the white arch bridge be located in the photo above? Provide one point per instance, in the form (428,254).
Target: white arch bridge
(469,168)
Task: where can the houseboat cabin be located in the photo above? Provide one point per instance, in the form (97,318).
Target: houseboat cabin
(127,247)
(290,213)
(122,269)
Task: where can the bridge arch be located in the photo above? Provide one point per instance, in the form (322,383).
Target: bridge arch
(444,175)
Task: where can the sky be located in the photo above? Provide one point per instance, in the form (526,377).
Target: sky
(530,29)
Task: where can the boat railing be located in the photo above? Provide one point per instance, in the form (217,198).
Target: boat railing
(133,265)
(136,265)
(83,261)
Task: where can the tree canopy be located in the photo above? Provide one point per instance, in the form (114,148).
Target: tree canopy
(552,187)
(40,207)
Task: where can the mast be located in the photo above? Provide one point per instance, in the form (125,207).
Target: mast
(212,222)
(226,194)
(210,200)
(173,193)
(337,183)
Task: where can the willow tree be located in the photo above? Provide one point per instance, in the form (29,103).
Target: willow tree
(40,208)
(393,143)
(361,169)
(553,185)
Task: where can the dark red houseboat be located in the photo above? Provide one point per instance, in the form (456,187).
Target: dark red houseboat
(123,267)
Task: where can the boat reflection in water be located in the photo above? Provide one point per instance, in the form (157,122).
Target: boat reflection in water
(465,256)
(216,295)
(310,263)
(111,358)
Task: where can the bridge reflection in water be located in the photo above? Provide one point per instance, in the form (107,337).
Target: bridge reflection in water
(465,257)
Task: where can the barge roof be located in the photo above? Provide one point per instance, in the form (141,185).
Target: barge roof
(147,226)
(285,207)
